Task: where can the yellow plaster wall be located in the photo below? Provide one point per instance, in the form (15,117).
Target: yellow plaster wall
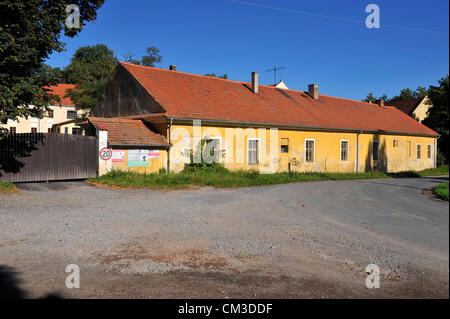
(327,150)
(421,110)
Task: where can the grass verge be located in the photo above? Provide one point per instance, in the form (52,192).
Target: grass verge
(441,190)
(223,178)
(6,187)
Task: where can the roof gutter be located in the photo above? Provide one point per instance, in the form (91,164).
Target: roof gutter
(296,127)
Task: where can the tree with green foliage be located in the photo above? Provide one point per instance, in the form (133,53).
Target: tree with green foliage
(438,115)
(224,76)
(90,69)
(30,31)
(149,59)
(372,99)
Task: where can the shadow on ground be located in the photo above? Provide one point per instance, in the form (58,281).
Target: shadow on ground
(10,285)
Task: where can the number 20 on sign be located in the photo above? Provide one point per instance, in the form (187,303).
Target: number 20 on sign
(105,153)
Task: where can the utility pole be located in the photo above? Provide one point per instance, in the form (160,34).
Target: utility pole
(274,70)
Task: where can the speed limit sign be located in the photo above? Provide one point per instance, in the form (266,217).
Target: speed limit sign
(105,153)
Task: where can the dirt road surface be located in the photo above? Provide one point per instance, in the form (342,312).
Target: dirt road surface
(304,240)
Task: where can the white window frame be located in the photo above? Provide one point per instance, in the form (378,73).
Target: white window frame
(214,138)
(348,151)
(258,149)
(431,151)
(314,150)
(378,151)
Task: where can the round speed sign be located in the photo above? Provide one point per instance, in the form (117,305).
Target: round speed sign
(105,153)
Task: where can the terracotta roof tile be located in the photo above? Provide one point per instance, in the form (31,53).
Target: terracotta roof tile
(128,132)
(61,90)
(184,95)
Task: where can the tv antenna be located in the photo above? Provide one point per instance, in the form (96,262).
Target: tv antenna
(274,70)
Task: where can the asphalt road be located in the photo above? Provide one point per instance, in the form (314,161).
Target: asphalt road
(303,240)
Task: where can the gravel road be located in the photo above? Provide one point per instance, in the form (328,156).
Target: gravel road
(304,240)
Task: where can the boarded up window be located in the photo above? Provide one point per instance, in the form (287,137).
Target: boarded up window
(344,151)
(284,145)
(253,151)
(409,149)
(375,150)
(419,151)
(429,151)
(309,151)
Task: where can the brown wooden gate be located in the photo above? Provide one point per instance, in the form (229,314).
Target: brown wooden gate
(28,157)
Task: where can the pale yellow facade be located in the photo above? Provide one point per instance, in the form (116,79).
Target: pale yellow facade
(154,164)
(44,125)
(326,154)
(421,111)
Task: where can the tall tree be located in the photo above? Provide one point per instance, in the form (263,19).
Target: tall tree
(30,31)
(151,57)
(438,115)
(90,68)
(224,76)
(372,99)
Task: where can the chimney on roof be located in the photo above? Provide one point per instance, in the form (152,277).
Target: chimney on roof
(381,102)
(255,82)
(313,91)
(172,67)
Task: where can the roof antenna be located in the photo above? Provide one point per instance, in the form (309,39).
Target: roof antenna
(274,70)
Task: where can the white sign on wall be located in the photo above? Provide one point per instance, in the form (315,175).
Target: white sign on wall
(138,158)
(118,156)
(153,154)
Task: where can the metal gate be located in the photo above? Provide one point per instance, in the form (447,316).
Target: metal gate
(29,157)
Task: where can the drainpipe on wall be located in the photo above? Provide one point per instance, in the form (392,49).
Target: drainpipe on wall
(435,151)
(357,151)
(170,143)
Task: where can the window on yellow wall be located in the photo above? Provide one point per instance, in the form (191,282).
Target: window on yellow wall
(419,151)
(253,151)
(284,145)
(409,149)
(12,130)
(395,143)
(344,151)
(429,151)
(375,150)
(309,151)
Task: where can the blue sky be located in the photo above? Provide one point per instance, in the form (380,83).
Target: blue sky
(222,36)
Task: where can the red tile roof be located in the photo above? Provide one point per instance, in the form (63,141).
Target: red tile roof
(406,106)
(61,90)
(191,96)
(122,131)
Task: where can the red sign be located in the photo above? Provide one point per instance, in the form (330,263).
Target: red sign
(105,153)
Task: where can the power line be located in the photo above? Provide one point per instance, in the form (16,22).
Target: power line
(332,17)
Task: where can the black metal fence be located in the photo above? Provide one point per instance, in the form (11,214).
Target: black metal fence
(30,157)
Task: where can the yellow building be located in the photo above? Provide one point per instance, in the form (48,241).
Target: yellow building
(249,126)
(416,108)
(62,112)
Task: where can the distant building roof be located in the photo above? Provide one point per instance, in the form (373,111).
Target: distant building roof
(406,106)
(125,131)
(190,96)
(61,90)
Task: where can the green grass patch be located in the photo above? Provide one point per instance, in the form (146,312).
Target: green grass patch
(6,187)
(441,190)
(218,178)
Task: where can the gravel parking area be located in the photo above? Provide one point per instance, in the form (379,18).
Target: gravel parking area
(304,240)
